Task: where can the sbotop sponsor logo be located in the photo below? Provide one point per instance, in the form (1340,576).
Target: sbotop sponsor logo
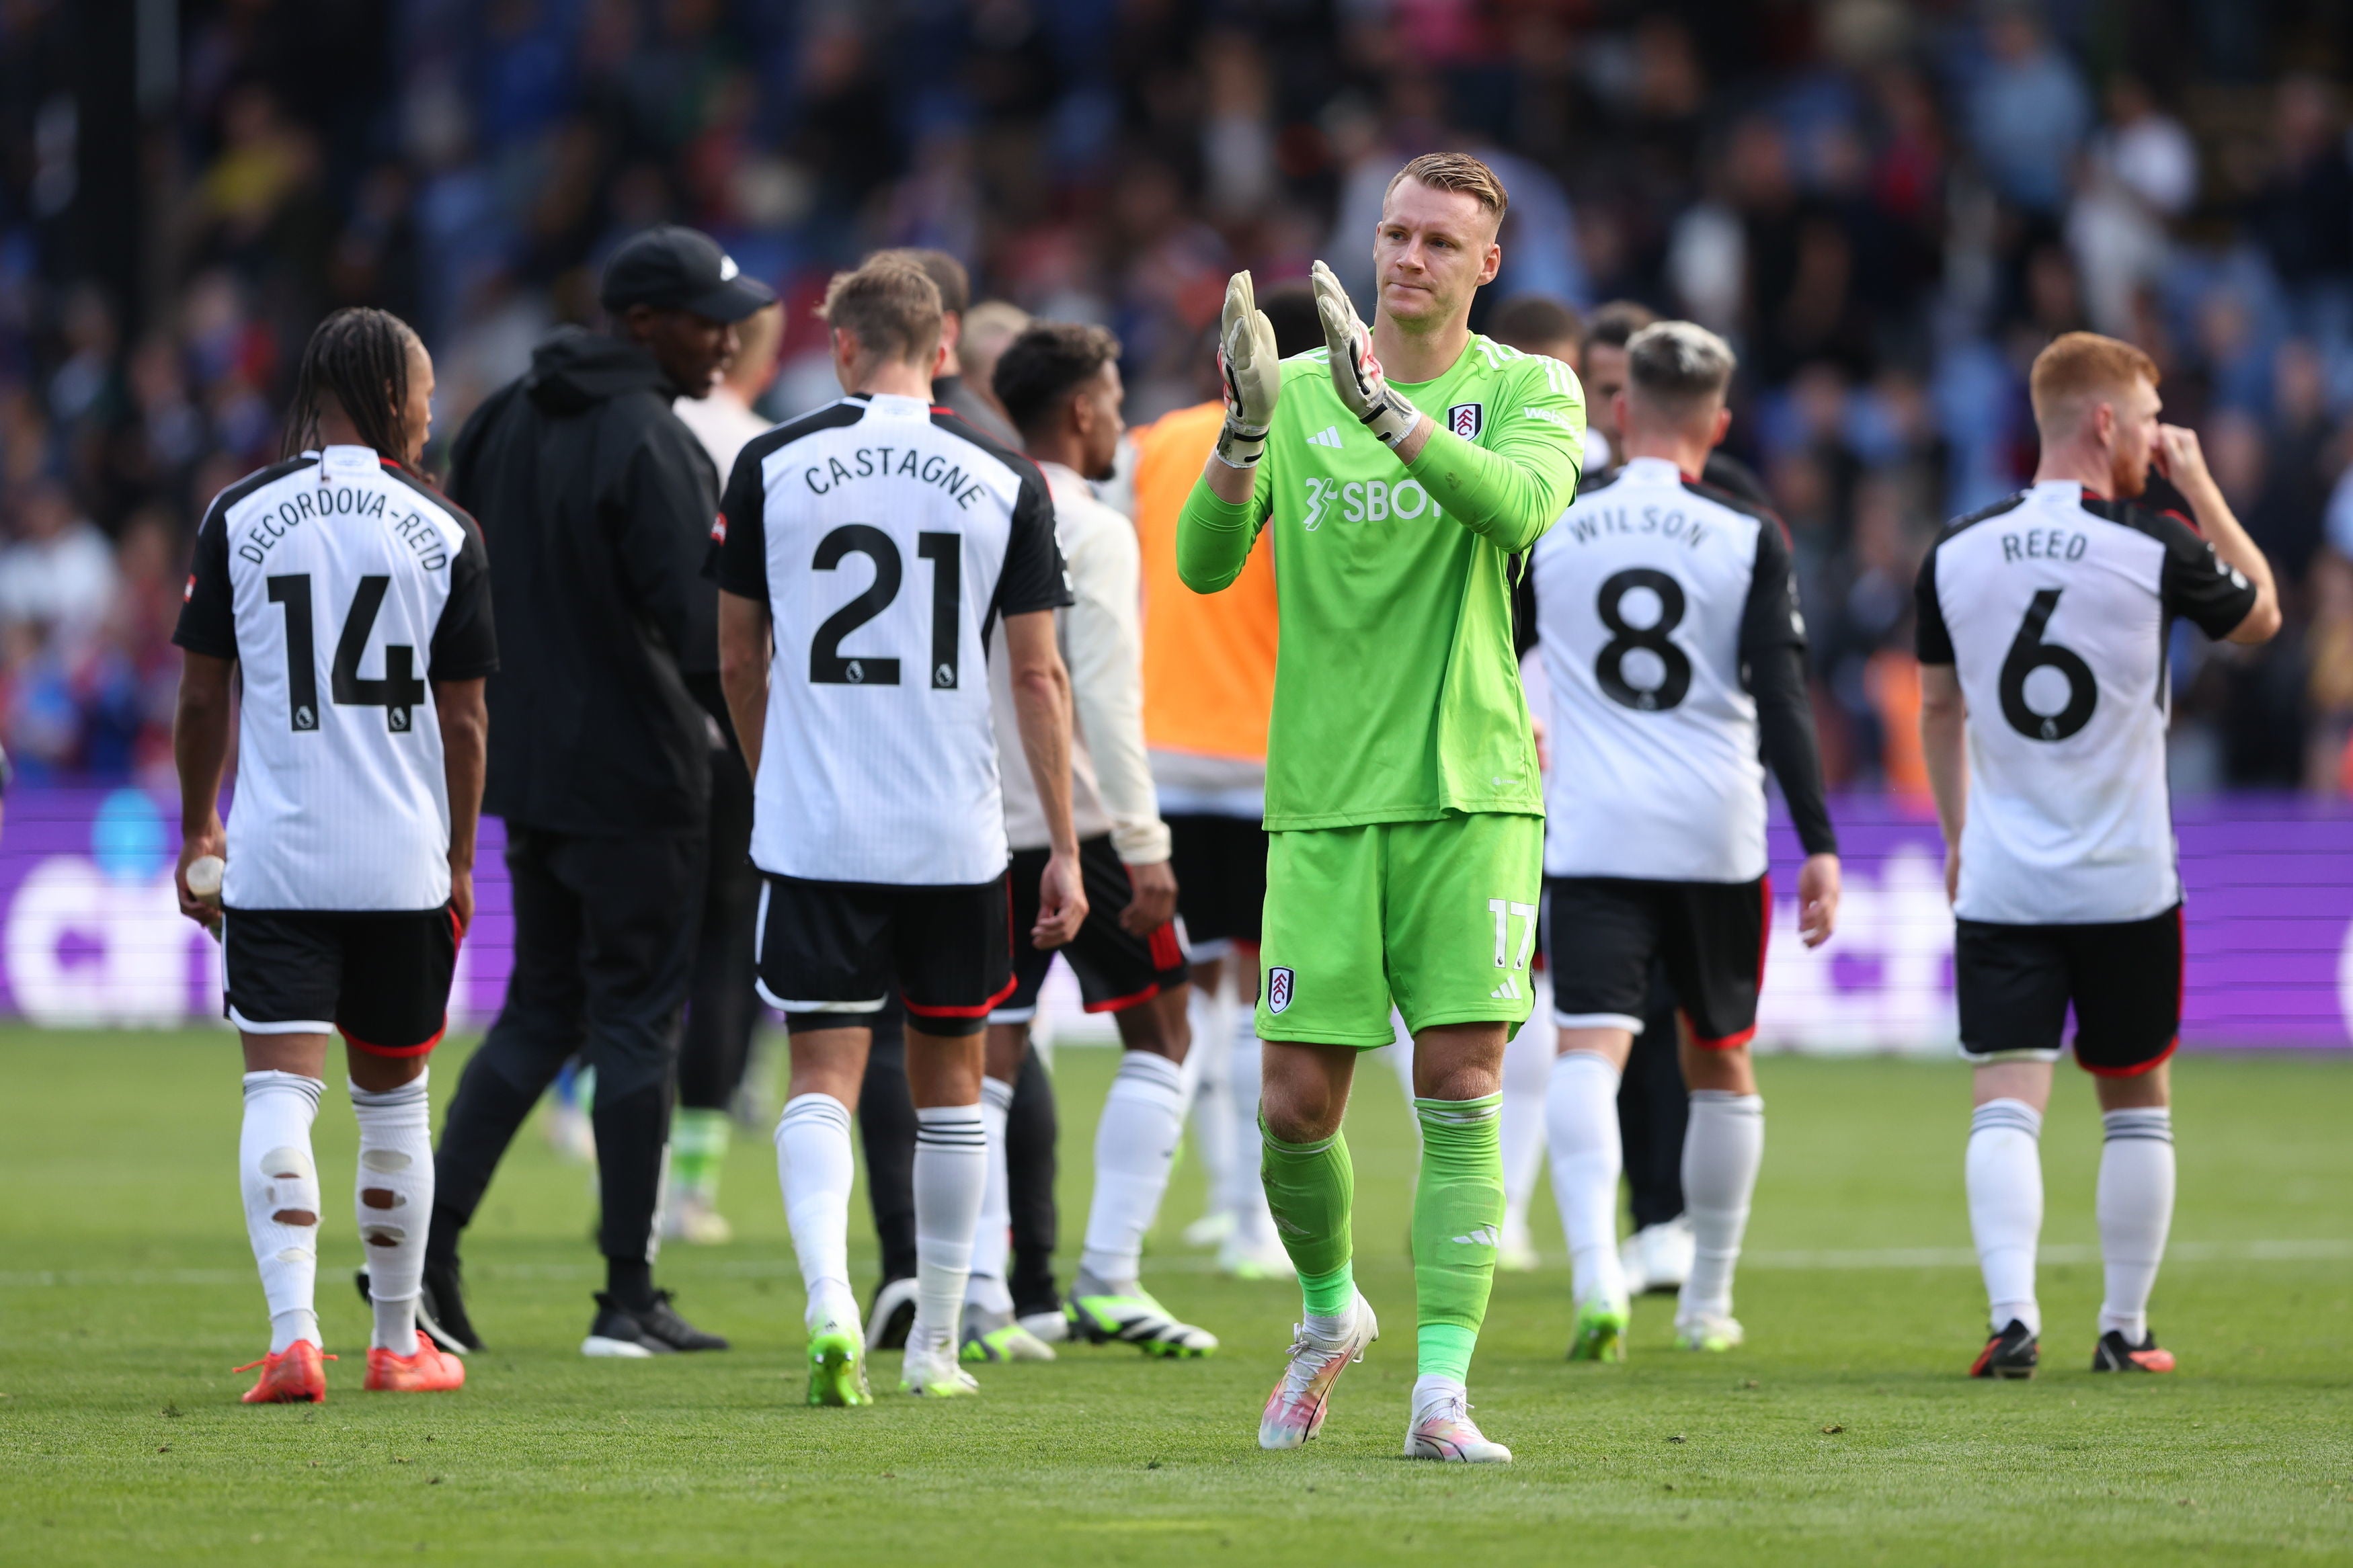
(1363,500)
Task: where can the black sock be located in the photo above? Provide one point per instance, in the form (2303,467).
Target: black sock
(629,1282)
(441,1240)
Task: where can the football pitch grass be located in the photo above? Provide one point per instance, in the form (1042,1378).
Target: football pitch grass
(1844,1432)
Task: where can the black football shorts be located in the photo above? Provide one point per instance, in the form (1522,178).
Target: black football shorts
(2014,983)
(381,977)
(831,951)
(1220,866)
(1116,968)
(1601,933)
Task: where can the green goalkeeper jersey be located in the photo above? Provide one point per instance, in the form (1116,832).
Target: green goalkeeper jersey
(1396,691)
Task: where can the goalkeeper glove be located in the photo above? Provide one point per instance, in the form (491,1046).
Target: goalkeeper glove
(1355,374)
(1252,372)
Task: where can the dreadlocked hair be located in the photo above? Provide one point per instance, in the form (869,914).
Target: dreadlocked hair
(358,357)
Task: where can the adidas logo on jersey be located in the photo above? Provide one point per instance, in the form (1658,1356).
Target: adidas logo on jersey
(1327,437)
(1486,1235)
(1506,991)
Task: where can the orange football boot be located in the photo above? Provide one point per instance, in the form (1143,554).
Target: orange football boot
(295,1376)
(431,1370)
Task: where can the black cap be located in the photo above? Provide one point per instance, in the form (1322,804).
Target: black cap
(675,268)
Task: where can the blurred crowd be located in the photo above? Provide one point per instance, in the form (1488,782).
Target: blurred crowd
(1888,207)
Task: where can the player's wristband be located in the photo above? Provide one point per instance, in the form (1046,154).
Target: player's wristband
(1239,447)
(1393,418)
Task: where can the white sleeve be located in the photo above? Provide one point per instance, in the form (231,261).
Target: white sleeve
(1106,652)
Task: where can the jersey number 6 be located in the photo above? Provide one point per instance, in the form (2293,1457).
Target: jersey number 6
(399,692)
(944,551)
(2029,653)
(1610,667)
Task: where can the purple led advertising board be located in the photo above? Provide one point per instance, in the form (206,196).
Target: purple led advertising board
(91,935)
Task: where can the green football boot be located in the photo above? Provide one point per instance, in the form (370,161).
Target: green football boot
(837,1366)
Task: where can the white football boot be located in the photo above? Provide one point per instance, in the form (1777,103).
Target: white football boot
(1294,1411)
(1442,1430)
(930,1369)
(1657,1257)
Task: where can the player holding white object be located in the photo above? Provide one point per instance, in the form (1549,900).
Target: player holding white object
(2042,627)
(1668,624)
(355,602)
(1059,382)
(873,540)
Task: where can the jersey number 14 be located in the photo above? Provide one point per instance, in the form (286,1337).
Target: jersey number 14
(399,692)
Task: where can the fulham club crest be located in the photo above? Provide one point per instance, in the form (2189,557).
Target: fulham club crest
(1463,420)
(1277,989)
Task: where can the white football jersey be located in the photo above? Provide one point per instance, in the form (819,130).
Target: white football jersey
(2052,608)
(344,587)
(1652,591)
(885,537)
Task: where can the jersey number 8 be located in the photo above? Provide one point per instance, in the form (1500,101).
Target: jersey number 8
(1610,667)
(399,692)
(2029,653)
(944,551)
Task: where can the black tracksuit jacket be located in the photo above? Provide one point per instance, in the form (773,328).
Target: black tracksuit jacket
(596,504)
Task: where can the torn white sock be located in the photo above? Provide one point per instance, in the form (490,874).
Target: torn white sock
(393,1200)
(279,1183)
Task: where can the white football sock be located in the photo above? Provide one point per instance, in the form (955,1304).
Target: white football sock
(2135,1210)
(281,1185)
(2004,1168)
(1209,1097)
(1246,1188)
(991,1238)
(393,1199)
(1581,1125)
(1722,1147)
(815,1168)
(951,1172)
(1433,1389)
(1142,1116)
(1527,1077)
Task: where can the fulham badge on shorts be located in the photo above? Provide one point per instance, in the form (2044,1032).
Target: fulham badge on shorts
(1463,420)
(1277,989)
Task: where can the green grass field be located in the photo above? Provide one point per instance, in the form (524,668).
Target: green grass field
(1844,1433)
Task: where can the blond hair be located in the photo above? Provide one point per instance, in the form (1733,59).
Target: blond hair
(1456,171)
(1679,367)
(2078,365)
(889,305)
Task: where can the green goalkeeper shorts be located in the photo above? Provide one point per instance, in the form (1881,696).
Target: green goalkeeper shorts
(1440,917)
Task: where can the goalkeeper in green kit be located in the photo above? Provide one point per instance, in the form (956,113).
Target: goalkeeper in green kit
(1398,469)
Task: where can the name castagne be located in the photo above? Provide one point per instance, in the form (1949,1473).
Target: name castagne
(912,463)
(263,530)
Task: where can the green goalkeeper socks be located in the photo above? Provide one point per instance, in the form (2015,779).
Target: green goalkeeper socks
(1311,1188)
(1458,1216)
(698,1148)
